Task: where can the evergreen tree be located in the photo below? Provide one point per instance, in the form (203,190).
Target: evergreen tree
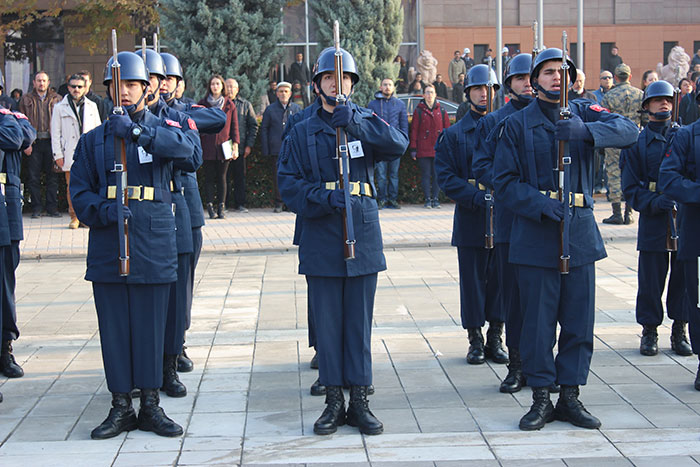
(371,31)
(235,38)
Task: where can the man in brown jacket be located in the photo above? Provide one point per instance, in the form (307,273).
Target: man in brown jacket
(37,105)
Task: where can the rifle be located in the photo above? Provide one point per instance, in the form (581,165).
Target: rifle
(119,170)
(488,236)
(563,162)
(671,232)
(341,145)
(535,40)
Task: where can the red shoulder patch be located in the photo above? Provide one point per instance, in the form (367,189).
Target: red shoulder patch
(192,124)
(20,115)
(598,108)
(172,123)
(4,111)
(197,106)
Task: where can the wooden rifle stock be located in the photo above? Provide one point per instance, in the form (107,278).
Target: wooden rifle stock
(488,236)
(563,193)
(122,193)
(341,143)
(671,232)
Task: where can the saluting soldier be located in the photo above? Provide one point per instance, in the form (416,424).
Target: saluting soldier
(679,178)
(623,99)
(341,292)
(16,135)
(525,183)
(640,174)
(132,309)
(477,277)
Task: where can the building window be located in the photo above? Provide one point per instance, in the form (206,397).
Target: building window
(668,45)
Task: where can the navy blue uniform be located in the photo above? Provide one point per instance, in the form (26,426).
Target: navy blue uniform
(131,310)
(482,166)
(525,156)
(639,167)
(679,177)
(341,291)
(11,165)
(477,281)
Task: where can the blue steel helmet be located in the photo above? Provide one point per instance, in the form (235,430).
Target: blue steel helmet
(519,65)
(326,62)
(172,65)
(480,75)
(154,63)
(547,55)
(131,68)
(658,89)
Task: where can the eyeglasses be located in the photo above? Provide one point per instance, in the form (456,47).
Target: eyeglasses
(76,86)
(606,77)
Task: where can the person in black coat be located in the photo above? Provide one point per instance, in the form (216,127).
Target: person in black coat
(247,130)
(440,87)
(271,130)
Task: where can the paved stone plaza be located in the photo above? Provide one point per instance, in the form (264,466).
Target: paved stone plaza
(248,400)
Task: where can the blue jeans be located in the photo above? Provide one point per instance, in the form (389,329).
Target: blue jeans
(428,177)
(386,178)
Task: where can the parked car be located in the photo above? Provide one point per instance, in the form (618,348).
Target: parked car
(412,100)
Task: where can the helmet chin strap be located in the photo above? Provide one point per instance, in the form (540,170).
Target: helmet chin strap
(131,109)
(155,95)
(659,115)
(332,100)
(524,98)
(479,108)
(554,95)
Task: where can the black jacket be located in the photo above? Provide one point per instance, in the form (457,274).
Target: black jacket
(247,124)
(272,126)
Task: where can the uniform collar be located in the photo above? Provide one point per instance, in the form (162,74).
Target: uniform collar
(535,117)
(467,122)
(651,136)
(317,125)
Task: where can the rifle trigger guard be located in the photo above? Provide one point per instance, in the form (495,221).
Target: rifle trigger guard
(118,167)
(566,160)
(488,197)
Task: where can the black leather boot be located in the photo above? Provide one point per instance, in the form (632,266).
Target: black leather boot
(679,341)
(514,380)
(570,409)
(649,345)
(221,211)
(152,418)
(494,344)
(9,366)
(697,380)
(359,414)
(171,382)
(616,217)
(554,388)
(318,389)
(475,355)
(121,418)
(333,415)
(628,219)
(210,211)
(541,412)
(313,364)
(184,364)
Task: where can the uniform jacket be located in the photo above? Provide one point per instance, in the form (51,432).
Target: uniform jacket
(679,178)
(625,99)
(304,167)
(153,250)
(272,126)
(11,141)
(525,156)
(426,127)
(453,165)
(247,123)
(211,143)
(11,165)
(391,110)
(65,129)
(639,165)
(37,111)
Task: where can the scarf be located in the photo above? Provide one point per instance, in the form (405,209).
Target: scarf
(218,102)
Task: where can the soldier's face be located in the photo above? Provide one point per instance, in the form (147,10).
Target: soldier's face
(154,85)
(131,92)
(520,84)
(550,76)
(328,84)
(168,85)
(659,104)
(478,95)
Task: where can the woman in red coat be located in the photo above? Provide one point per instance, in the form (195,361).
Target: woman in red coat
(429,119)
(219,149)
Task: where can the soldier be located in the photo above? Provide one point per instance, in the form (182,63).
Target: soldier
(341,292)
(477,281)
(526,184)
(623,99)
(16,135)
(517,85)
(678,179)
(639,166)
(131,310)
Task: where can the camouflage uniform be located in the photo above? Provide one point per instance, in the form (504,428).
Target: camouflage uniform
(626,100)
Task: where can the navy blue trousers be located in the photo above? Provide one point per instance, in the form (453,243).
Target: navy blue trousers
(478,287)
(9,261)
(310,315)
(131,318)
(510,294)
(344,328)
(180,297)
(651,279)
(194,258)
(690,271)
(548,298)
